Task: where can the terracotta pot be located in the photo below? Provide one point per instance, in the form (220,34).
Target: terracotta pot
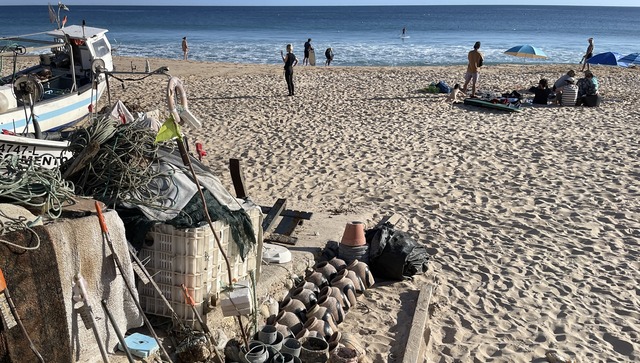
(354,234)
(335,337)
(333,306)
(308,297)
(326,269)
(318,279)
(338,294)
(295,306)
(283,329)
(309,285)
(314,350)
(343,355)
(319,312)
(289,320)
(357,283)
(346,286)
(325,328)
(338,263)
(362,270)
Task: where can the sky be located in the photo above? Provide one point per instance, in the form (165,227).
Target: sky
(318,2)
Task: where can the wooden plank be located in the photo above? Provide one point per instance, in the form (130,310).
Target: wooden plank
(393,219)
(237,177)
(274,212)
(279,238)
(418,339)
(287,225)
(289,213)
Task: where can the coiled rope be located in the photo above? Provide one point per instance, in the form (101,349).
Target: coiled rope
(124,169)
(29,184)
(10,224)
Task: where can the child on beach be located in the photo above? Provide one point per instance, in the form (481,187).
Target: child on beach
(541,92)
(456,95)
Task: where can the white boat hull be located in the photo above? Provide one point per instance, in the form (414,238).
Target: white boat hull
(46,153)
(53,114)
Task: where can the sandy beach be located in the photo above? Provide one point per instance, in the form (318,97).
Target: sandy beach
(532,218)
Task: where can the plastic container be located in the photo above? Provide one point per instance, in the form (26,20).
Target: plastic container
(192,257)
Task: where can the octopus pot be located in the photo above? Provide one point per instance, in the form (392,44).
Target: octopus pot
(326,269)
(346,286)
(338,263)
(318,279)
(324,328)
(314,350)
(333,306)
(309,285)
(362,270)
(338,295)
(295,306)
(289,320)
(308,297)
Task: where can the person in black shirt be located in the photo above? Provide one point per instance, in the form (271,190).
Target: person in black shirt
(307,48)
(542,92)
(329,55)
(290,61)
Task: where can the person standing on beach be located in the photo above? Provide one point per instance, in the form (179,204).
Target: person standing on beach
(185,47)
(290,61)
(329,55)
(588,54)
(307,48)
(475,62)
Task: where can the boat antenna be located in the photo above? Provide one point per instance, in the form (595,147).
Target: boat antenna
(83,24)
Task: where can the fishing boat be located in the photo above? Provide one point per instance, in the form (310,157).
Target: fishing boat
(65,85)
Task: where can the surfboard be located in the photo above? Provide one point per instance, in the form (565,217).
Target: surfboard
(405,37)
(312,57)
(487,104)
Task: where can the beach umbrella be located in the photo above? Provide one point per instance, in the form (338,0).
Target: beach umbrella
(629,59)
(606,58)
(526,51)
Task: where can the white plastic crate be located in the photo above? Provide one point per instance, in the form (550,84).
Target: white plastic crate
(192,257)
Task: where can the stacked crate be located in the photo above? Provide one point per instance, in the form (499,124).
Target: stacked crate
(191,257)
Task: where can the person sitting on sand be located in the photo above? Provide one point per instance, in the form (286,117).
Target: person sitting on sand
(588,90)
(541,92)
(456,95)
(568,92)
(561,82)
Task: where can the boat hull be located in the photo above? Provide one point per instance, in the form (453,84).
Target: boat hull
(52,114)
(45,153)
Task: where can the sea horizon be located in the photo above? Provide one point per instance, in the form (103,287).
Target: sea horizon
(362,36)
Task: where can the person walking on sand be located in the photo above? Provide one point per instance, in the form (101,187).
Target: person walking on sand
(185,47)
(588,54)
(290,61)
(307,48)
(475,62)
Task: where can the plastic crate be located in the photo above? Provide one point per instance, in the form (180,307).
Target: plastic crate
(192,257)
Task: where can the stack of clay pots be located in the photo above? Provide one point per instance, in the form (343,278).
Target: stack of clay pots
(312,311)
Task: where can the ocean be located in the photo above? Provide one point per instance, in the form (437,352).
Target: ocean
(359,36)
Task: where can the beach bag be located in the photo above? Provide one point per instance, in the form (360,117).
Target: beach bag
(394,254)
(443,87)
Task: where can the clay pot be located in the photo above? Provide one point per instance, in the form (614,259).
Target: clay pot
(308,297)
(335,337)
(343,355)
(350,341)
(326,269)
(295,306)
(333,306)
(325,328)
(318,279)
(338,294)
(289,320)
(309,285)
(362,270)
(346,286)
(338,263)
(354,234)
(283,329)
(358,285)
(319,312)
(314,350)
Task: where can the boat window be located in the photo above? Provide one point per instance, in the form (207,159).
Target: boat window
(100,48)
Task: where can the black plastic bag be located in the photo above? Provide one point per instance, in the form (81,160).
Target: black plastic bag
(394,254)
